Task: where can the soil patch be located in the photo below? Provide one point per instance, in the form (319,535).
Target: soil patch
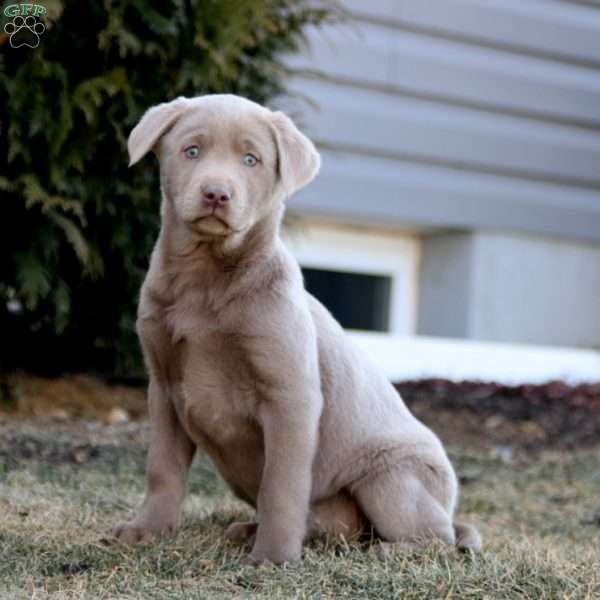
(487,414)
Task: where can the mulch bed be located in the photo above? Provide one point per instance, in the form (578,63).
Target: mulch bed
(532,416)
(555,415)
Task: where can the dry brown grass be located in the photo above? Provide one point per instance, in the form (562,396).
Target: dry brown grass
(63,485)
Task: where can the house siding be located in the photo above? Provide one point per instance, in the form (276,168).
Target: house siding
(460,114)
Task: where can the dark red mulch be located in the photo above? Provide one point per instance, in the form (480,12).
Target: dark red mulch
(554,414)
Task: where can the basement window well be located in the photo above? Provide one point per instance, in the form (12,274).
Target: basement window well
(366,278)
(356,300)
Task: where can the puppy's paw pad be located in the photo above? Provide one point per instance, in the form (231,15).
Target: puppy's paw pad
(275,558)
(241,532)
(132,533)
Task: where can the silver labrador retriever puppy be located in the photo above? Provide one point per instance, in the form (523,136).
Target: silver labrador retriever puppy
(248,367)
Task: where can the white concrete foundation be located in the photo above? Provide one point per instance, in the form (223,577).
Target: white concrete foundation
(510,288)
(409,358)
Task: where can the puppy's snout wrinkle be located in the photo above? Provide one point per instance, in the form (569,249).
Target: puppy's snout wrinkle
(215,195)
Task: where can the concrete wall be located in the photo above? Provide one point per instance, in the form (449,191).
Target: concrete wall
(531,288)
(510,288)
(445,283)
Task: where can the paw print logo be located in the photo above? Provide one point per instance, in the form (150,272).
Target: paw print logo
(24,31)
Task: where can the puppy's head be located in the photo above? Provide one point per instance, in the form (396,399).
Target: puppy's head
(225,162)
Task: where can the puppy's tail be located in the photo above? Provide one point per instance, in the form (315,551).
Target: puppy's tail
(467,537)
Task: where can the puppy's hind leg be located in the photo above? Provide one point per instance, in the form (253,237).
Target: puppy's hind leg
(402,510)
(467,537)
(337,516)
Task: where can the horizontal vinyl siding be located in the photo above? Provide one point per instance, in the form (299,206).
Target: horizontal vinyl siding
(372,190)
(394,125)
(551,29)
(405,62)
(462,113)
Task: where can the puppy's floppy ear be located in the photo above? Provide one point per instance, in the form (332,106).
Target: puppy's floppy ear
(154,124)
(297,157)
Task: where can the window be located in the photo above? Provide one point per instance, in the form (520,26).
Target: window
(356,300)
(366,277)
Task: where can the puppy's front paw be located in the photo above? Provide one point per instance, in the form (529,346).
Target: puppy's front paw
(134,532)
(287,554)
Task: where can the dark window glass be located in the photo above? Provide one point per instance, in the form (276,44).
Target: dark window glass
(356,300)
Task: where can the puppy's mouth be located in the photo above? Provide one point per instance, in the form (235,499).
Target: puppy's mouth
(211,224)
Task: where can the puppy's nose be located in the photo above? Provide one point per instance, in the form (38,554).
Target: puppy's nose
(215,195)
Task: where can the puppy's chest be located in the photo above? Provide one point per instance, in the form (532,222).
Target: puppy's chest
(217,397)
(196,312)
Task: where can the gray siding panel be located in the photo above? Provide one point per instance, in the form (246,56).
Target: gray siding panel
(409,63)
(444,134)
(550,28)
(457,113)
(361,189)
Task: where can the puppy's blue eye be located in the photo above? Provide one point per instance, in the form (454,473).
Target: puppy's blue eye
(192,152)
(250,160)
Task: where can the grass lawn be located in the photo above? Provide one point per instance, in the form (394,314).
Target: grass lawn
(63,485)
